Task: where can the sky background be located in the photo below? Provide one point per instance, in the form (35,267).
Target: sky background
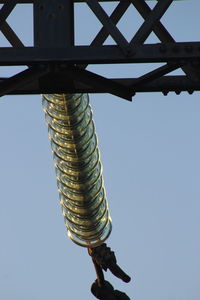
(150,151)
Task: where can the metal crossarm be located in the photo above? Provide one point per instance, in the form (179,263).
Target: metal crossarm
(54,49)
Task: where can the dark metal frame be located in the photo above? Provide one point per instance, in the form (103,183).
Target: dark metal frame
(56,65)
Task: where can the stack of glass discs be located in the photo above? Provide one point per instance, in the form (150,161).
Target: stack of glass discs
(78,168)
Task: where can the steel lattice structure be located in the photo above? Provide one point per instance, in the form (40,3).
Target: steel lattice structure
(56,65)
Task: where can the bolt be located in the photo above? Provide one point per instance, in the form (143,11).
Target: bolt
(130,52)
(61,6)
(163,48)
(165,93)
(51,16)
(188,48)
(190,92)
(42,66)
(175,49)
(177,92)
(195,63)
(62,66)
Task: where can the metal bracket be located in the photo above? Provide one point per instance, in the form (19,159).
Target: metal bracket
(103,259)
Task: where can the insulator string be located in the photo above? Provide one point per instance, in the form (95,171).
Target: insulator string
(78,168)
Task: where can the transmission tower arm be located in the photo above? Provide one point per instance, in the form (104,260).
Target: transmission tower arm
(55,50)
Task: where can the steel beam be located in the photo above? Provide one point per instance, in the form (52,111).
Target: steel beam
(109,25)
(11,36)
(148,53)
(115,17)
(75,1)
(6,10)
(60,84)
(53,23)
(151,76)
(19,80)
(150,21)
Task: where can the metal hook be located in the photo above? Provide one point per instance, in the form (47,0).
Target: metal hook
(103,257)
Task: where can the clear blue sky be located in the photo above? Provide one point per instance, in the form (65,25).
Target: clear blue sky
(150,151)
